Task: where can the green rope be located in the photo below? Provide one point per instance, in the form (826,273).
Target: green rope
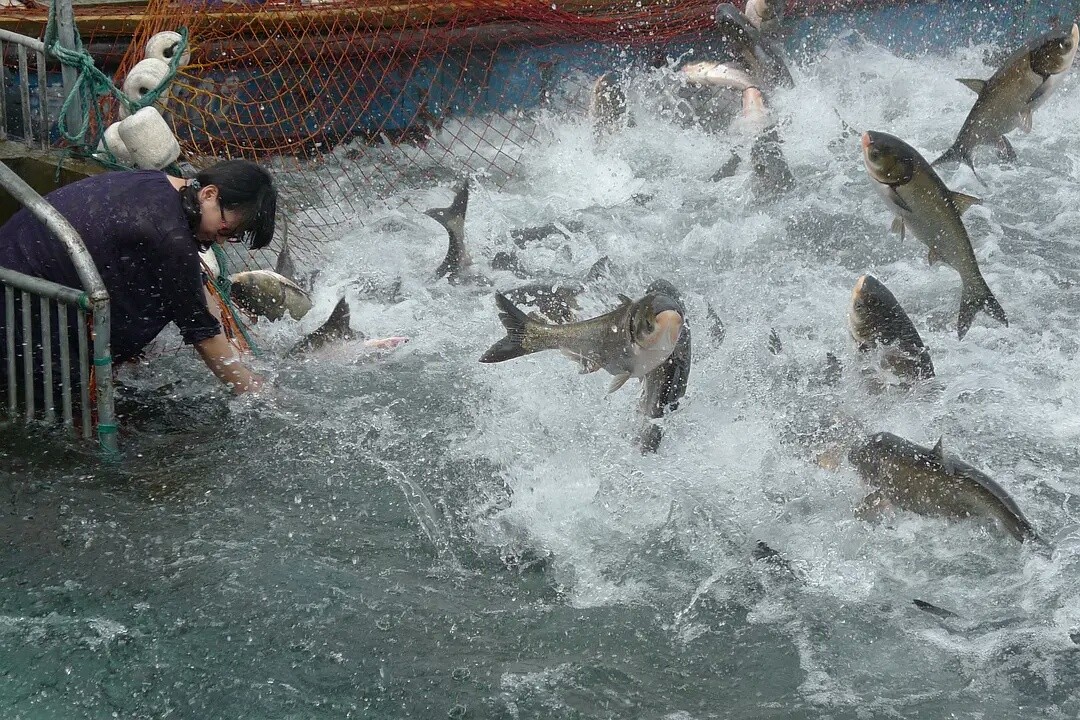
(224,290)
(92,84)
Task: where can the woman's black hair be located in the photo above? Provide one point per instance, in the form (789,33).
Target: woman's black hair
(243,187)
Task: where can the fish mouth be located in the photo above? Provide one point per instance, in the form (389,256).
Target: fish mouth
(662,303)
(668,326)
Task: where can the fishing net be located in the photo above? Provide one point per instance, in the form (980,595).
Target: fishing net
(346,98)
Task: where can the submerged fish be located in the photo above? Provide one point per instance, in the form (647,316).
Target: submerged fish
(925,481)
(457,260)
(607,103)
(1007,100)
(666,384)
(630,341)
(761,58)
(876,319)
(921,202)
(268,294)
(770,177)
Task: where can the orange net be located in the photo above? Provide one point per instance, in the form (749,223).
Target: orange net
(322,86)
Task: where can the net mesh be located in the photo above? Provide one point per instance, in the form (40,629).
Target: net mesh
(343,98)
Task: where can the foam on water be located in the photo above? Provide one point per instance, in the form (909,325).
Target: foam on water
(673,532)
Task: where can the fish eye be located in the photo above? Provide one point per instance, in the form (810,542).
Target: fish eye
(874,154)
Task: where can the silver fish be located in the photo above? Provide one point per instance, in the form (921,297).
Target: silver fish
(268,294)
(666,384)
(762,59)
(876,319)
(607,104)
(457,262)
(770,177)
(1007,100)
(921,202)
(714,73)
(630,341)
(765,15)
(335,329)
(926,481)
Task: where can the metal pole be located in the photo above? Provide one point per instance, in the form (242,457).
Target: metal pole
(106,427)
(28,352)
(13,379)
(43,100)
(84,375)
(65,21)
(65,362)
(47,360)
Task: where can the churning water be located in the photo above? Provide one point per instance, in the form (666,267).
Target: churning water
(421,535)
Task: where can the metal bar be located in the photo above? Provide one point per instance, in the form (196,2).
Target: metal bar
(24,93)
(13,381)
(65,363)
(43,288)
(60,228)
(106,416)
(84,375)
(65,21)
(28,353)
(25,40)
(3,95)
(47,360)
(43,100)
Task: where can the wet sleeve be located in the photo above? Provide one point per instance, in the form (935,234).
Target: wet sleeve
(182,285)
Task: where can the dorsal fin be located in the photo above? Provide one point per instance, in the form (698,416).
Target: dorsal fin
(624,300)
(972,84)
(939,451)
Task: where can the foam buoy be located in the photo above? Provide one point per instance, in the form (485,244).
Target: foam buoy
(115,144)
(163,46)
(144,77)
(149,139)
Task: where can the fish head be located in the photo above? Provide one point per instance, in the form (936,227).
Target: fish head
(1055,52)
(872,306)
(655,323)
(870,456)
(889,160)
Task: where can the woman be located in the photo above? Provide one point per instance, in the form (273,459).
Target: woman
(144,230)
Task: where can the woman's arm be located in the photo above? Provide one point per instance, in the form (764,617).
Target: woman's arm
(220,356)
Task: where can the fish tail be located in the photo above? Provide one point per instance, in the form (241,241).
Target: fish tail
(956,153)
(974,299)
(516,323)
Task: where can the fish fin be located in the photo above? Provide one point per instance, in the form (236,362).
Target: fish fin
(899,201)
(619,381)
(898,227)
(939,449)
(586,364)
(599,269)
(972,84)
(963,201)
(284,265)
(336,327)
(624,300)
(956,153)
(453,219)
(933,257)
(933,609)
(972,300)
(516,324)
(1025,120)
(1005,149)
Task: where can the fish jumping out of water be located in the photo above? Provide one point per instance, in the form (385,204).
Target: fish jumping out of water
(607,104)
(338,329)
(457,262)
(713,73)
(762,59)
(1007,100)
(268,294)
(630,341)
(926,481)
(666,384)
(876,320)
(921,202)
(766,15)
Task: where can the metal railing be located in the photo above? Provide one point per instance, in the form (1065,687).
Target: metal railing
(94,300)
